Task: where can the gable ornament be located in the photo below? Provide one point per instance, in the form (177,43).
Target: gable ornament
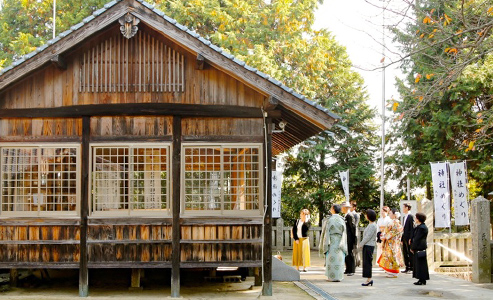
(128,25)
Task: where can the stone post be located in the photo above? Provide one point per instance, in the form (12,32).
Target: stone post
(481,247)
(426,206)
(280,234)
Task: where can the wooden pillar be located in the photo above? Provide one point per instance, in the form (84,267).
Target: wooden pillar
(14,276)
(175,239)
(481,245)
(84,208)
(267,253)
(135,279)
(257,272)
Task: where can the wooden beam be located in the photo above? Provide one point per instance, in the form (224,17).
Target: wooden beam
(267,261)
(131,138)
(303,109)
(175,181)
(129,242)
(270,103)
(165,220)
(38,265)
(59,62)
(223,220)
(252,263)
(240,241)
(38,222)
(135,109)
(223,138)
(274,114)
(40,139)
(129,265)
(84,209)
(39,242)
(200,62)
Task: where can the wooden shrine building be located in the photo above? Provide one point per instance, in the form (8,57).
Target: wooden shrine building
(131,142)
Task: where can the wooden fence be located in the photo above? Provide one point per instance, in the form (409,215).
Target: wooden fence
(446,246)
(283,241)
(449,248)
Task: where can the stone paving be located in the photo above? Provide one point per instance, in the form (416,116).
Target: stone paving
(401,288)
(439,287)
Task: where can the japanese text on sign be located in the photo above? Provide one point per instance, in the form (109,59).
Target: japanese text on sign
(441,194)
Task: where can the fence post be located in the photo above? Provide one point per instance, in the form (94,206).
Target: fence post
(280,234)
(481,248)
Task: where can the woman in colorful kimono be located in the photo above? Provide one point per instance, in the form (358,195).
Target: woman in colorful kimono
(335,245)
(391,259)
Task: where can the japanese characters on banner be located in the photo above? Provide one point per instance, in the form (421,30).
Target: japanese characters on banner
(345,183)
(276,193)
(459,190)
(441,195)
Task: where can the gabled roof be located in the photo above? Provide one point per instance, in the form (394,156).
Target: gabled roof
(288,98)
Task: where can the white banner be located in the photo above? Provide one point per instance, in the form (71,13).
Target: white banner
(459,189)
(276,193)
(441,194)
(345,183)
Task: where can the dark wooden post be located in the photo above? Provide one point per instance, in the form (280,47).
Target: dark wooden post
(176,169)
(267,261)
(14,276)
(257,272)
(135,279)
(84,209)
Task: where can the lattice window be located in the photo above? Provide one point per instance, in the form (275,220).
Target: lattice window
(222,178)
(140,64)
(133,178)
(39,180)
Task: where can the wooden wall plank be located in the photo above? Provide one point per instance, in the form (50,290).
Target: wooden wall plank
(221,127)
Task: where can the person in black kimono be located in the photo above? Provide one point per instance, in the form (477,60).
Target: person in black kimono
(351,240)
(418,248)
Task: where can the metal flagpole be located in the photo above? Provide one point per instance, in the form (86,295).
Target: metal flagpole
(54,16)
(382,180)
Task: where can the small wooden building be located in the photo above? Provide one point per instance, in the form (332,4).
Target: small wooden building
(130,142)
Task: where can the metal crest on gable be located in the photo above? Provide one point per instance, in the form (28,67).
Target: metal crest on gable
(128,25)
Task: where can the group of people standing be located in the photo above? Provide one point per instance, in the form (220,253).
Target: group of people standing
(403,245)
(397,245)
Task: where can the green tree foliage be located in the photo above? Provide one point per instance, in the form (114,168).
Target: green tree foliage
(445,112)
(27,24)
